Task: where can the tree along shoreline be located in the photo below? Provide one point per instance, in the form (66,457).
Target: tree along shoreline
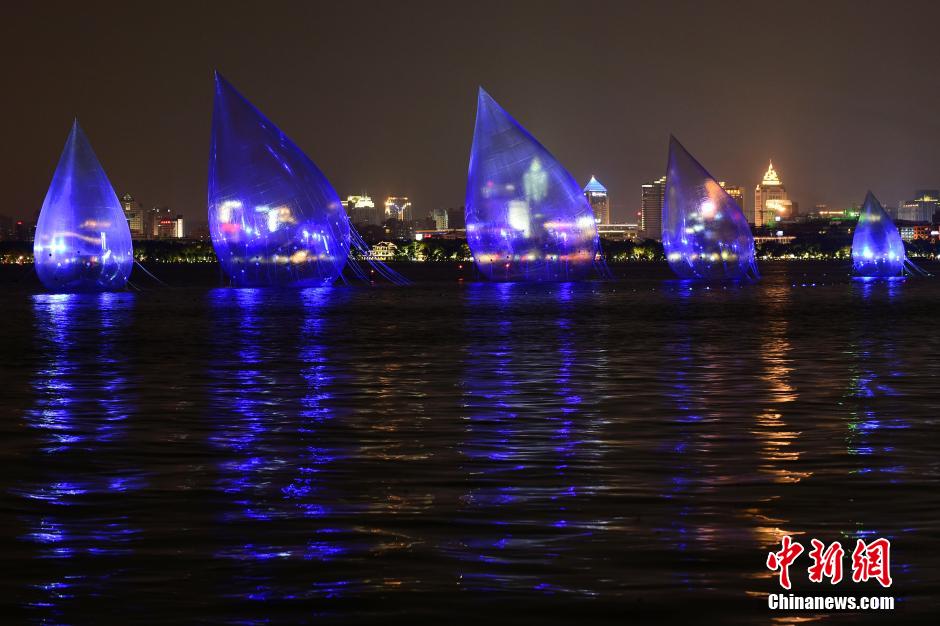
(457,250)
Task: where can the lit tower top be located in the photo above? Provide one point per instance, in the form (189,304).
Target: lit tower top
(594,186)
(770,177)
(596,195)
(771,202)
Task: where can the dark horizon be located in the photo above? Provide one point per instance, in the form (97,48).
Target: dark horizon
(382,96)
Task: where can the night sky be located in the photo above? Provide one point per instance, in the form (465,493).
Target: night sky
(844,96)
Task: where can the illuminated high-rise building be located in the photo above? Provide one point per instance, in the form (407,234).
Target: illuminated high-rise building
(651,209)
(737,194)
(596,195)
(165,224)
(771,202)
(398,208)
(135,216)
(440,218)
(362,210)
(922,208)
(929,201)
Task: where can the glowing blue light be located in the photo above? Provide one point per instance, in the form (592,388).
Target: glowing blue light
(877,248)
(265,197)
(705,234)
(527,218)
(83,243)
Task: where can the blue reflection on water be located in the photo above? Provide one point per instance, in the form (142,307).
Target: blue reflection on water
(876,368)
(877,401)
(80,416)
(520,447)
(267,424)
(684,411)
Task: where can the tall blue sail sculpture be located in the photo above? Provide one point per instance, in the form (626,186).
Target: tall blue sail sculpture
(877,248)
(83,242)
(527,218)
(705,234)
(274,218)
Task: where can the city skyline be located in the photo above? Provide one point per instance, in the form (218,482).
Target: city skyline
(604,109)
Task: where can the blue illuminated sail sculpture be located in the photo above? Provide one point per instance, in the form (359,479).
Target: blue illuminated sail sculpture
(83,242)
(877,248)
(274,218)
(527,218)
(705,234)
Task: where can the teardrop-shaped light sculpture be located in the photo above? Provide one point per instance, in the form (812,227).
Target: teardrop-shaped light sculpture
(527,218)
(705,234)
(877,248)
(273,216)
(83,242)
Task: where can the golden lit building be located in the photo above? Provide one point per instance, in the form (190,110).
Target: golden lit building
(383,251)
(362,210)
(771,202)
(398,208)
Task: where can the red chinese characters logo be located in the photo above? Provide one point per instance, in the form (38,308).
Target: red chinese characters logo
(783,559)
(870,560)
(826,563)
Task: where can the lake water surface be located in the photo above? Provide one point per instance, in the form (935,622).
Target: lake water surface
(625,451)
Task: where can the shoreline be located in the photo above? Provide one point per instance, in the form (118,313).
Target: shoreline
(23,278)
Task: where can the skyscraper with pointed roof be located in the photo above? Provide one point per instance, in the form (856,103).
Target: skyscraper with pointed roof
(771,202)
(596,195)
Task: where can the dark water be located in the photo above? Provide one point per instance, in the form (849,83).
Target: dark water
(625,452)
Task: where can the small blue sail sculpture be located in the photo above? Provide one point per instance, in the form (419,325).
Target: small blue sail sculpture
(83,242)
(877,248)
(705,234)
(527,218)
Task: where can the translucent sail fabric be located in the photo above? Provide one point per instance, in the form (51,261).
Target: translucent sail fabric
(527,218)
(83,242)
(274,218)
(877,248)
(705,234)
